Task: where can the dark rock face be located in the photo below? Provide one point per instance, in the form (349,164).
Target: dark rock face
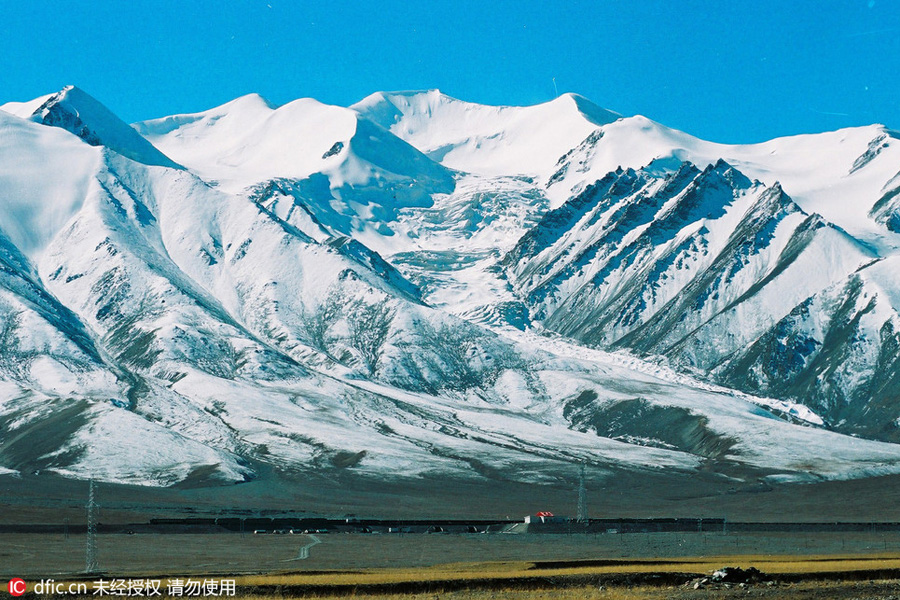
(55,115)
(639,422)
(697,267)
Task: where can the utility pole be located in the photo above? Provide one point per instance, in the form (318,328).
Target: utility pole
(90,555)
(582,498)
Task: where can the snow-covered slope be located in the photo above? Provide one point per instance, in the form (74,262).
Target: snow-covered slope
(44,174)
(840,175)
(349,173)
(689,246)
(300,287)
(569,143)
(722,275)
(77,112)
(487,140)
(836,351)
(825,205)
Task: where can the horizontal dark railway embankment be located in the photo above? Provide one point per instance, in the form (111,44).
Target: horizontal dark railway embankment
(557,526)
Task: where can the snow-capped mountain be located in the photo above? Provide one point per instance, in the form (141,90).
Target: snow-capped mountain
(833,198)
(486,140)
(321,163)
(718,273)
(377,289)
(76,112)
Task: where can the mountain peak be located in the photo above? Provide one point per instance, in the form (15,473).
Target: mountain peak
(722,169)
(246,108)
(247,101)
(79,113)
(485,139)
(427,101)
(388,108)
(594,113)
(342,159)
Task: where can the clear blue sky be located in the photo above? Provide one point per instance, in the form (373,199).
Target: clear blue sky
(730,71)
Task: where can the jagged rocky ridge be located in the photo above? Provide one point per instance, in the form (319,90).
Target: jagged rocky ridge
(722,275)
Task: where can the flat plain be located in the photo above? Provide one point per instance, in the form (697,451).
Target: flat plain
(863,563)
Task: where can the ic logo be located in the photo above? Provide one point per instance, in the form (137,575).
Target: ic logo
(16,587)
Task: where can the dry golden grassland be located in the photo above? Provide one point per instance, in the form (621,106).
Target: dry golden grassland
(817,577)
(781,565)
(878,590)
(812,577)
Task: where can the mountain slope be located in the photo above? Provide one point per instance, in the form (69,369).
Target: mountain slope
(840,175)
(44,177)
(352,175)
(842,183)
(837,350)
(718,274)
(77,112)
(487,140)
(289,295)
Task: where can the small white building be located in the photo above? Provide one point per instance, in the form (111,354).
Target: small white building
(544,517)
